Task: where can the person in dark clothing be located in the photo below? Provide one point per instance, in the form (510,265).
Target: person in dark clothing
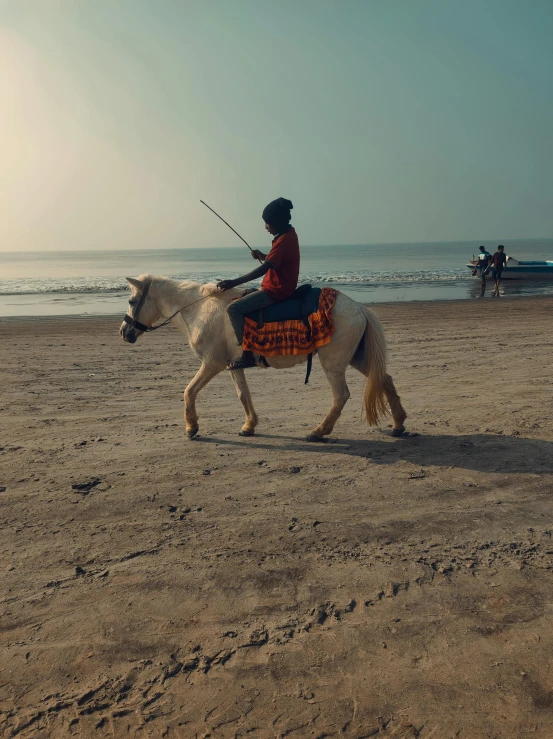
(482,266)
(483,261)
(280,270)
(499,263)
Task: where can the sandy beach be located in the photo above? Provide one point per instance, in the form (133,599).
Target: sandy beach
(225,587)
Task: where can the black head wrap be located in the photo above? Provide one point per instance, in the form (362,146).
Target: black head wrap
(277,213)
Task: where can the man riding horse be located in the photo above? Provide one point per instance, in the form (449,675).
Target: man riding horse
(280,269)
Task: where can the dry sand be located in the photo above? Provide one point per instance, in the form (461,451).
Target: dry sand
(267,587)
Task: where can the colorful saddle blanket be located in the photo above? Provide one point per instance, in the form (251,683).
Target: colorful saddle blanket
(294,327)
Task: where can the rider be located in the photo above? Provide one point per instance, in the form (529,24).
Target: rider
(280,269)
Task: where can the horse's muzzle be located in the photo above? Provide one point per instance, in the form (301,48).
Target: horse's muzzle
(128,333)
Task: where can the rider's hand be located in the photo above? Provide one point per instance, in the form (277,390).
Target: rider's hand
(225,285)
(256,254)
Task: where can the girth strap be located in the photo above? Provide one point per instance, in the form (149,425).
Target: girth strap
(309,367)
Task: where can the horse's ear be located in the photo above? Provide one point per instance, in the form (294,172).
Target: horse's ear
(135,283)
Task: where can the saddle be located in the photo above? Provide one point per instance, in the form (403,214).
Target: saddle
(299,325)
(298,307)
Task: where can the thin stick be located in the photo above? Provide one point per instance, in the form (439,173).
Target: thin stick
(226,224)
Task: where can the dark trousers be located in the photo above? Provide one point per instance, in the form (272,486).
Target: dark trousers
(238,309)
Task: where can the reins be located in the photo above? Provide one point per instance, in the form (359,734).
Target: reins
(135,323)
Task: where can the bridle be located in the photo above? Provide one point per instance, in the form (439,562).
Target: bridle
(135,323)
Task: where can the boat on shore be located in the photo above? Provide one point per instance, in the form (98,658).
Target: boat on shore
(522,270)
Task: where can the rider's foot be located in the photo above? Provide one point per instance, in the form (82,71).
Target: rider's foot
(244,362)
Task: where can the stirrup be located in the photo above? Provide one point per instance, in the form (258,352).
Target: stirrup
(246,361)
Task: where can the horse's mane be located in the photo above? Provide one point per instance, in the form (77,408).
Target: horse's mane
(204,288)
(191,291)
(181,285)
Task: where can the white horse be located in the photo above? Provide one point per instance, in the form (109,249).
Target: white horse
(200,312)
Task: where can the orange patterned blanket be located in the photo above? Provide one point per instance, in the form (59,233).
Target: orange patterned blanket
(292,337)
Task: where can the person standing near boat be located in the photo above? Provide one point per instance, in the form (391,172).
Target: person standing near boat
(482,265)
(498,264)
(483,262)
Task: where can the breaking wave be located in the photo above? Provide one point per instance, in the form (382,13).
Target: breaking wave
(80,285)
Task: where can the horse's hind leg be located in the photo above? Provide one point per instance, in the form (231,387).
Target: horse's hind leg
(340,396)
(398,411)
(251,421)
(200,380)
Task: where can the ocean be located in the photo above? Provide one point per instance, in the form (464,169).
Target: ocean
(92,282)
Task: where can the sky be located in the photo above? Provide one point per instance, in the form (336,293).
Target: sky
(384,121)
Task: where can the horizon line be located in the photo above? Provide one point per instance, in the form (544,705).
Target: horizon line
(236,246)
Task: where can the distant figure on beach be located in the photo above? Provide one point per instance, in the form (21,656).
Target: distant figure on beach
(484,260)
(482,267)
(499,263)
(280,268)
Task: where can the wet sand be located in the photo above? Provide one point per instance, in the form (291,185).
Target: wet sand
(266,587)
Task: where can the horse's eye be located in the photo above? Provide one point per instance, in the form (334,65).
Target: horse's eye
(132,302)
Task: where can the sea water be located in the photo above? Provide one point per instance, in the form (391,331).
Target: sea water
(93,282)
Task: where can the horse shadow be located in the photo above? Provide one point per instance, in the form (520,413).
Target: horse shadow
(478,452)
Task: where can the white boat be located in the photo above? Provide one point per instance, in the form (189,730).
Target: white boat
(516,270)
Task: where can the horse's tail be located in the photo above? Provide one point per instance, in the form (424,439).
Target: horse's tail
(371,360)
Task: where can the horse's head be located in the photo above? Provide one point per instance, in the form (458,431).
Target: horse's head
(142,312)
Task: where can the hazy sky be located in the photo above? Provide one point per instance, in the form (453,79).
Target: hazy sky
(382,120)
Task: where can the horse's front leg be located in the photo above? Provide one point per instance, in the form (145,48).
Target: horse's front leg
(200,380)
(251,421)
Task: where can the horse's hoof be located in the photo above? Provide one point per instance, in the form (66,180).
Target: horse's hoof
(398,432)
(245,432)
(315,438)
(191,433)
